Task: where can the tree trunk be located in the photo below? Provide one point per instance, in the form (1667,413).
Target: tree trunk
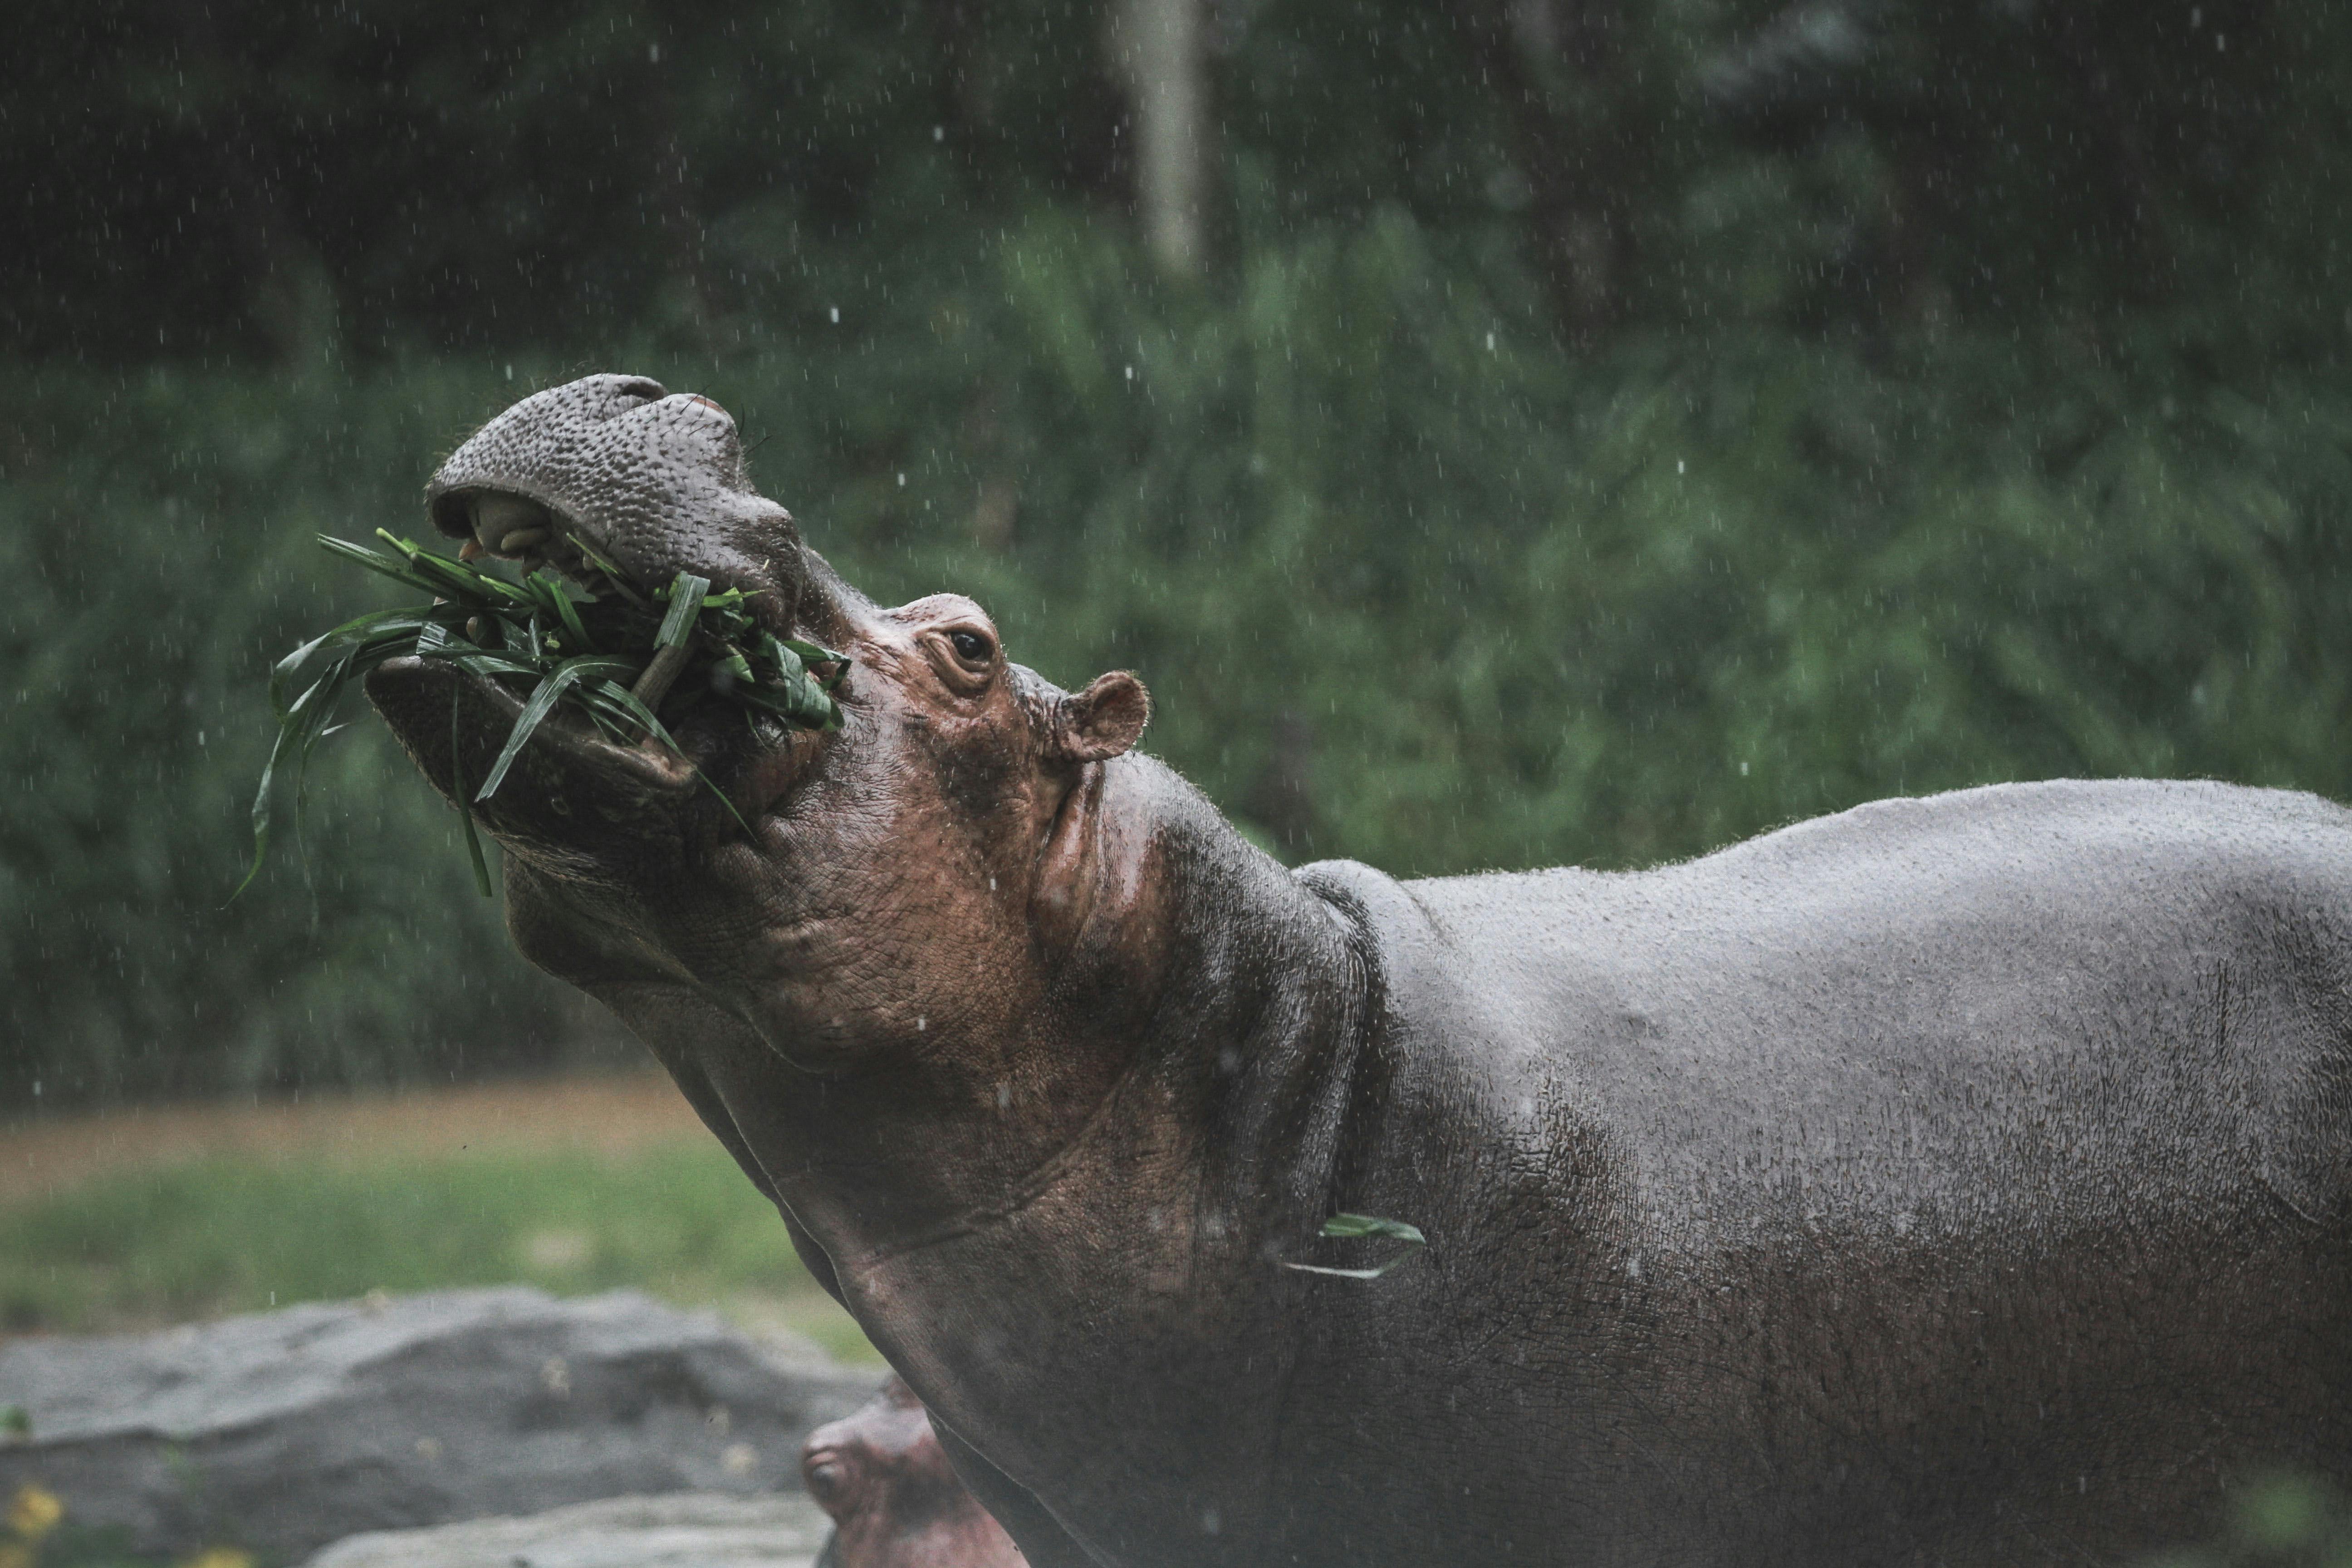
(1161,49)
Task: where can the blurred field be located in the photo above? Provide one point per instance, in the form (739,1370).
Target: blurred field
(153,1217)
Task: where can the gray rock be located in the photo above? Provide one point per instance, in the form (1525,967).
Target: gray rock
(283,1431)
(685,1529)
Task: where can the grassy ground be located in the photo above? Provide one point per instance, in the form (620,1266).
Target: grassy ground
(157,1218)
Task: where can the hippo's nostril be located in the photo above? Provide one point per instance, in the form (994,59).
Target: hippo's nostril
(644,389)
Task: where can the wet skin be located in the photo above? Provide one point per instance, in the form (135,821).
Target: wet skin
(1950,1181)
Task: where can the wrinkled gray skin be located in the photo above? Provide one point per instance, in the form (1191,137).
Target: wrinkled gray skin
(1950,1181)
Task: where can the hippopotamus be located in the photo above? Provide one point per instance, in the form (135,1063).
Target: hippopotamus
(895,1499)
(1958,1180)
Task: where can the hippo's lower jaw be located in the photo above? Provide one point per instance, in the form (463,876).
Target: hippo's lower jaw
(567,784)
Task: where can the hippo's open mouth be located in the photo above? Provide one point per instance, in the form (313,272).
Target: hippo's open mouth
(619,486)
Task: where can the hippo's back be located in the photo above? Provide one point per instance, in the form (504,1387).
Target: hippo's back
(2017,999)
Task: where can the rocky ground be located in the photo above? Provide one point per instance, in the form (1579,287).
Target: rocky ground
(284,1433)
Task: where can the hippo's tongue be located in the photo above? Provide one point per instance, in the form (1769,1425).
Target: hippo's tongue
(613,467)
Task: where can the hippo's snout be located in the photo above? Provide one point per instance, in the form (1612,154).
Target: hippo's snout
(615,474)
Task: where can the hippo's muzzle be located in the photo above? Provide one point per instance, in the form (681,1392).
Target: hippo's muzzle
(619,484)
(613,470)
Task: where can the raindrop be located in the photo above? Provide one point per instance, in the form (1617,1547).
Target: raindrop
(902,482)
(1679,465)
(1130,372)
(509,373)
(833,314)
(1490,342)
(938,132)
(653,54)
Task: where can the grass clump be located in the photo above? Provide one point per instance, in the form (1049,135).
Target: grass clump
(622,656)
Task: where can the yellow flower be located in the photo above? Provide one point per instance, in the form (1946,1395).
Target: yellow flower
(34,1512)
(219,1557)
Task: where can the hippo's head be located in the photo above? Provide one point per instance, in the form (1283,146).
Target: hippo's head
(912,874)
(894,1501)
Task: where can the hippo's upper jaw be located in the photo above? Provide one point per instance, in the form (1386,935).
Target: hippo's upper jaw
(605,469)
(652,482)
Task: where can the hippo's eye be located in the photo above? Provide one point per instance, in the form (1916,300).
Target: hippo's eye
(971,646)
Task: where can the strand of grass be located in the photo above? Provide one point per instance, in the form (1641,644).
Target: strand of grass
(636,712)
(1366,1226)
(458,790)
(671,644)
(613,573)
(290,718)
(316,728)
(375,560)
(640,714)
(392,626)
(565,610)
(535,712)
(445,575)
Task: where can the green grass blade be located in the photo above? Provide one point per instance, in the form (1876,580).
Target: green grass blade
(535,712)
(724,801)
(1354,1225)
(261,802)
(1361,1225)
(567,612)
(396,625)
(613,575)
(444,574)
(375,560)
(686,592)
(465,806)
(621,697)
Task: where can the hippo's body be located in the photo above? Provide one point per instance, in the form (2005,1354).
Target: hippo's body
(1858,1193)
(1954,1181)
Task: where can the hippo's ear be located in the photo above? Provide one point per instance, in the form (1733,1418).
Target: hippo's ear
(1098,723)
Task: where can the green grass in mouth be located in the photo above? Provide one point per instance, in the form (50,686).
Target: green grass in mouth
(625,657)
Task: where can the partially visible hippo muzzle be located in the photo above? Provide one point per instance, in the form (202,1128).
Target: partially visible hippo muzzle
(612,468)
(603,473)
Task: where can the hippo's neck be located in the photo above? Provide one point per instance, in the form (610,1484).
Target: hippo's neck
(1195,1027)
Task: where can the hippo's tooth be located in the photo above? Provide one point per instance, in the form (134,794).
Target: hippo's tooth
(521,540)
(471,550)
(497,516)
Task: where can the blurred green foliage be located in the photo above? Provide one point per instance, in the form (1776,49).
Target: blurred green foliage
(1988,421)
